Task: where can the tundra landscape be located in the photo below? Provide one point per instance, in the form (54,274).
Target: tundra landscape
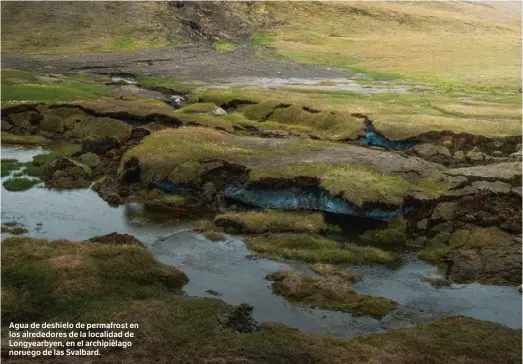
(264,182)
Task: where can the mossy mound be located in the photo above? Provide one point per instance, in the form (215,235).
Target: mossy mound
(331,270)
(313,248)
(68,278)
(8,138)
(20,183)
(99,127)
(257,222)
(331,293)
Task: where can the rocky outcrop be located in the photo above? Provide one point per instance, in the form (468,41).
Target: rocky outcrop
(65,173)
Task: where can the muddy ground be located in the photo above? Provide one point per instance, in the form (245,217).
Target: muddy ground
(195,62)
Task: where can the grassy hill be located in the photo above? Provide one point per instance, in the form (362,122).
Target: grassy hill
(455,45)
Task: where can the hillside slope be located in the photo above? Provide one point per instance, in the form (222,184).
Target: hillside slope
(455,45)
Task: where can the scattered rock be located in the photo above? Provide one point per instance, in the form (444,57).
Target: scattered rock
(517,156)
(438,282)
(429,150)
(64,172)
(90,159)
(497,154)
(218,111)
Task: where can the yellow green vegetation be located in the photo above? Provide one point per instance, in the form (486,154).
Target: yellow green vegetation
(454,45)
(19,183)
(224,46)
(175,155)
(91,282)
(257,222)
(53,92)
(331,270)
(102,127)
(132,27)
(9,138)
(356,184)
(199,107)
(315,249)
(393,234)
(63,278)
(9,165)
(396,116)
(331,293)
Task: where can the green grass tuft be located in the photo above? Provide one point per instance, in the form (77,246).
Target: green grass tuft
(257,222)
(315,249)
(331,293)
(19,184)
(224,46)
(8,138)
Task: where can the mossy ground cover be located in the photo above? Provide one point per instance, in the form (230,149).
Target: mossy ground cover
(356,184)
(453,45)
(9,165)
(53,92)
(257,222)
(394,234)
(175,155)
(224,46)
(90,282)
(9,138)
(331,293)
(397,116)
(20,183)
(315,249)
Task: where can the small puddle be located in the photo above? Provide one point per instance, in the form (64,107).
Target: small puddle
(224,267)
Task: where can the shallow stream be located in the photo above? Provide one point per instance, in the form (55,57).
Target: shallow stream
(224,268)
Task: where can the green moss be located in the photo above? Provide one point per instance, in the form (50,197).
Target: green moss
(8,138)
(43,159)
(54,92)
(64,148)
(224,46)
(259,111)
(12,77)
(9,165)
(174,200)
(175,154)
(34,171)
(262,38)
(24,118)
(331,293)
(313,248)
(393,234)
(256,222)
(214,236)
(52,124)
(102,127)
(91,160)
(14,230)
(356,184)
(19,184)
(65,278)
